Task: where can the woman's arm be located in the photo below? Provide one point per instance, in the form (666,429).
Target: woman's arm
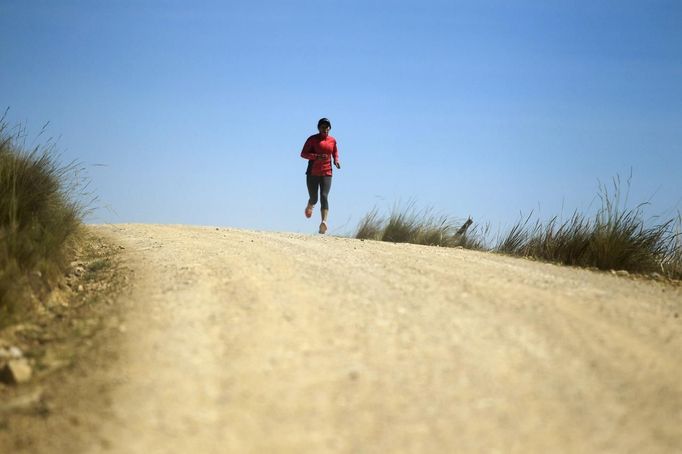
(307,152)
(335,155)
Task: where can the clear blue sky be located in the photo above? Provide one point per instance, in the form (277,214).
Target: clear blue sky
(485,108)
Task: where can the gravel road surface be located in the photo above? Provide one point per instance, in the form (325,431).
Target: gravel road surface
(258,342)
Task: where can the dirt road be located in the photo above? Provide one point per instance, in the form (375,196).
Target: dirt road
(249,342)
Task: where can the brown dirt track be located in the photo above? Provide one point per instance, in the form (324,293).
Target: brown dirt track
(243,341)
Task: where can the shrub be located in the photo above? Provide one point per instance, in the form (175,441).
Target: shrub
(617,238)
(370,226)
(408,225)
(38,220)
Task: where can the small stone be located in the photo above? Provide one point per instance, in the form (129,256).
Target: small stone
(80,288)
(622,273)
(78,270)
(31,401)
(11,352)
(656,276)
(16,371)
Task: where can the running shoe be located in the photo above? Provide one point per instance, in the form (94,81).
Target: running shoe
(323,227)
(308,211)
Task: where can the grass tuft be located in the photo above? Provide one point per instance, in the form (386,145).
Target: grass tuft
(409,225)
(672,260)
(370,226)
(617,238)
(38,220)
(614,238)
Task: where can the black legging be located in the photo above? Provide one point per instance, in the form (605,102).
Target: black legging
(324,183)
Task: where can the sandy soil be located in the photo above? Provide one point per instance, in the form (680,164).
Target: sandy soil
(242,341)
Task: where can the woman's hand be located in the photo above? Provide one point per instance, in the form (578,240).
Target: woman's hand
(337,164)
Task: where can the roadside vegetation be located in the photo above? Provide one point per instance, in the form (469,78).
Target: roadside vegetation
(409,225)
(613,238)
(39,221)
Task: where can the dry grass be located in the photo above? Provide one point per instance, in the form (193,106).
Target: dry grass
(409,225)
(38,220)
(616,238)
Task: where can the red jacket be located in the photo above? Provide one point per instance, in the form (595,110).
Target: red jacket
(319,145)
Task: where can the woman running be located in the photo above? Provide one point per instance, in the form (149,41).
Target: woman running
(319,150)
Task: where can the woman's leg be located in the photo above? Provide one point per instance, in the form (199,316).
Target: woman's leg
(313,183)
(312,195)
(325,186)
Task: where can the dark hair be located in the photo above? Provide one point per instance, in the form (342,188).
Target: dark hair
(324,121)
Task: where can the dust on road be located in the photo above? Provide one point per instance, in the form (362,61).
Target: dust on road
(242,341)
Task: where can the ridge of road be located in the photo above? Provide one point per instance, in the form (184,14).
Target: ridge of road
(250,342)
